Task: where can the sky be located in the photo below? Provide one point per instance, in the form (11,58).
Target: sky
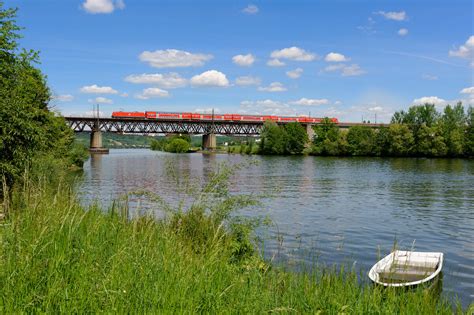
(353,60)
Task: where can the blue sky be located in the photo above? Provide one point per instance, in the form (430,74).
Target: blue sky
(344,59)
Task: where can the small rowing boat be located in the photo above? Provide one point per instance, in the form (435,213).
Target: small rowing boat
(406,268)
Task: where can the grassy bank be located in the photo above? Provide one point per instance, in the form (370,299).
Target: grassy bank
(59,257)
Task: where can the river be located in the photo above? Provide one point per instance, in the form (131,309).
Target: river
(325,209)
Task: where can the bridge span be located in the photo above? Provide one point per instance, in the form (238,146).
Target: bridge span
(208,128)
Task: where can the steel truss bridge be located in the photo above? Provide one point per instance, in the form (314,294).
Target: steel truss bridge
(177,126)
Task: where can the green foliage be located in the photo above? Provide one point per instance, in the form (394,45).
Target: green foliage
(273,139)
(400,140)
(177,145)
(328,139)
(296,138)
(28,129)
(361,140)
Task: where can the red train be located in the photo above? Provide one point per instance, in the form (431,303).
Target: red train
(225,117)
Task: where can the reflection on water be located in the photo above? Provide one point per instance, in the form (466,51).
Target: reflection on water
(340,210)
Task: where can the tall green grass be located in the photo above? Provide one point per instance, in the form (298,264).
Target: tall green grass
(59,257)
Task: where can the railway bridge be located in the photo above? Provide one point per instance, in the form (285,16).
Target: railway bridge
(208,128)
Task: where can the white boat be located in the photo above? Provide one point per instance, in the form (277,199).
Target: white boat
(406,268)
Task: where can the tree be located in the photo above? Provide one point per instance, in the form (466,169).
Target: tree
(273,139)
(382,142)
(177,145)
(454,124)
(328,140)
(431,141)
(401,140)
(27,127)
(361,140)
(469,139)
(296,138)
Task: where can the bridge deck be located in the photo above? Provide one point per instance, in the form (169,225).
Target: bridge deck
(146,126)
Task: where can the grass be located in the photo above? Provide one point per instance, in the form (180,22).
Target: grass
(58,257)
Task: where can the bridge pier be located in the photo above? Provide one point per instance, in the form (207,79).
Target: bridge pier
(96,143)
(209,141)
(310,132)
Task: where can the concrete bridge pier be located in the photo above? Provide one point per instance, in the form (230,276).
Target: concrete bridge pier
(209,141)
(310,132)
(96,143)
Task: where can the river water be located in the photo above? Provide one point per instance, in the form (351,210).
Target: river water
(326,210)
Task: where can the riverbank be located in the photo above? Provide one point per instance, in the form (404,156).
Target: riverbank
(58,256)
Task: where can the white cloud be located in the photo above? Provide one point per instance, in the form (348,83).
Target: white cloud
(101,100)
(275,63)
(63,97)
(375,109)
(468,90)
(293,53)
(465,51)
(273,87)
(429,77)
(345,70)
(295,74)
(395,16)
(244,60)
(402,31)
(171,58)
(210,78)
(337,103)
(95,89)
(310,102)
(102,6)
(247,80)
(352,70)
(268,107)
(430,100)
(152,93)
(171,80)
(124,94)
(250,9)
(336,57)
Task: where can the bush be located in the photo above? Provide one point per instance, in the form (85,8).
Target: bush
(177,145)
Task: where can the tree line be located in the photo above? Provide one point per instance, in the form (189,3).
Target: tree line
(421,131)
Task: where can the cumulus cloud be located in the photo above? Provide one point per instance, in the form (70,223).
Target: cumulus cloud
(468,90)
(345,70)
(171,58)
(210,78)
(101,100)
(275,63)
(295,74)
(268,107)
(293,53)
(247,80)
(402,31)
(250,9)
(63,97)
(310,102)
(395,16)
(243,60)
(102,6)
(273,87)
(430,100)
(336,57)
(152,93)
(170,80)
(429,77)
(95,89)
(465,51)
